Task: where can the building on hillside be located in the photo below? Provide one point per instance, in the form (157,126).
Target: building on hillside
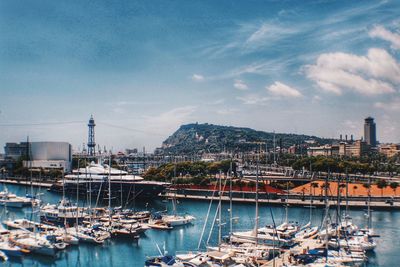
(326,150)
(390,150)
(370,131)
(129,151)
(49,155)
(356,149)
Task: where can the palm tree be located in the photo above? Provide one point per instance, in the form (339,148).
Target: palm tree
(394,186)
(341,186)
(381,184)
(325,186)
(367,186)
(354,189)
(314,185)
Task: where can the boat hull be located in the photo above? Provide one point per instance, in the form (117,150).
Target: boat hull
(59,221)
(13,204)
(128,190)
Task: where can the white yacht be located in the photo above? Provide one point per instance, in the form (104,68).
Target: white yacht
(32,242)
(62,213)
(11,200)
(95,178)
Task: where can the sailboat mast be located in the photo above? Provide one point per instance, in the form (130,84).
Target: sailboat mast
(219,213)
(257,216)
(174,198)
(347,193)
(274,148)
(77,196)
(230,201)
(63,198)
(338,200)
(287,202)
(109,189)
(63,189)
(120,176)
(311,202)
(369,202)
(326,215)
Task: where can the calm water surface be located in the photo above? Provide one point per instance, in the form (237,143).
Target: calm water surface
(133,253)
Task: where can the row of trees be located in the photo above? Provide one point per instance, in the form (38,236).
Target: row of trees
(381,184)
(351,165)
(182,171)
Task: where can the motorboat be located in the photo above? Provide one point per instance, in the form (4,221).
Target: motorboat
(32,242)
(177,220)
(63,214)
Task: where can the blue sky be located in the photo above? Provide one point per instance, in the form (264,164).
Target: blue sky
(143,68)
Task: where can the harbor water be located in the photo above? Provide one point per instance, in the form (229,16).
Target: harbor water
(125,252)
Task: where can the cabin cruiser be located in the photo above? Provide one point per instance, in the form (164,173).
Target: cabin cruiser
(282,235)
(178,220)
(28,225)
(11,200)
(95,179)
(32,242)
(64,213)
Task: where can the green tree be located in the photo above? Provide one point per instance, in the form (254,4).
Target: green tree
(355,187)
(381,184)
(314,186)
(394,186)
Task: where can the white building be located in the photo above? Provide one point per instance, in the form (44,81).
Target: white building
(50,155)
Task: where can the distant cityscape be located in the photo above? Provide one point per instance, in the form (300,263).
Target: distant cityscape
(59,155)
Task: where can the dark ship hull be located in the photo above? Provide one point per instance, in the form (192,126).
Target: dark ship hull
(128,190)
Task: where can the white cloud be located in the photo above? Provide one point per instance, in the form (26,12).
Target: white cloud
(253,99)
(280,89)
(241,85)
(373,74)
(381,32)
(393,105)
(266,34)
(198,77)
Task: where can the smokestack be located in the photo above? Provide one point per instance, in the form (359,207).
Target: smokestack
(346,137)
(351,138)
(341,137)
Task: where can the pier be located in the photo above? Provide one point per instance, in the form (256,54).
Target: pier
(375,205)
(27,183)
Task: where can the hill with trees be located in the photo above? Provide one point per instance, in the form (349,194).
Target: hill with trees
(209,138)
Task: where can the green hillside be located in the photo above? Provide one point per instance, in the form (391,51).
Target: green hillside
(197,138)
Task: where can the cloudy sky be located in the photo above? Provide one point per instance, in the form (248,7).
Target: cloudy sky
(142,68)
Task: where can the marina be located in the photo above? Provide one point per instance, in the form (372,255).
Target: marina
(204,133)
(186,238)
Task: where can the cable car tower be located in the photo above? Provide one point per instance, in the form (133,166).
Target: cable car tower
(91,143)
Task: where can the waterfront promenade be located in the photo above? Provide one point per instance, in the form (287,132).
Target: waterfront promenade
(377,205)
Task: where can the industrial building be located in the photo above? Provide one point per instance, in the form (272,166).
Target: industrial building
(46,155)
(15,151)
